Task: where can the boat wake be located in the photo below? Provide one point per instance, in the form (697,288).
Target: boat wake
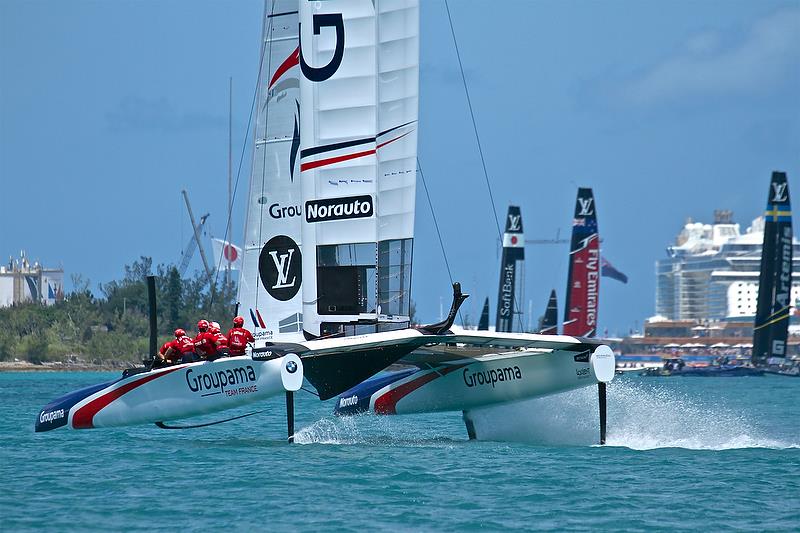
(641,416)
(368,429)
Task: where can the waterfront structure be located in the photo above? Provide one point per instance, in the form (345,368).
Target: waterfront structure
(24,282)
(711,272)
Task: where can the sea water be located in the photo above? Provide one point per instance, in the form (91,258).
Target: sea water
(682,454)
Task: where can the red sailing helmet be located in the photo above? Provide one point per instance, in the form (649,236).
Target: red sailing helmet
(238,322)
(179,333)
(202,325)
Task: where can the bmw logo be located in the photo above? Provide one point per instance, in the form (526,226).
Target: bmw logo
(291,367)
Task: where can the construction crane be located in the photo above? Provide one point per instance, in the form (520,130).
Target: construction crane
(196,230)
(191,246)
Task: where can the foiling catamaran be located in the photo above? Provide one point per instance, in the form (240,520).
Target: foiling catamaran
(481,369)
(329,227)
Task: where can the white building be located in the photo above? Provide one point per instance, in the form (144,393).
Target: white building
(711,273)
(22,281)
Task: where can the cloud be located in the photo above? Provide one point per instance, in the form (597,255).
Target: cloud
(137,113)
(767,55)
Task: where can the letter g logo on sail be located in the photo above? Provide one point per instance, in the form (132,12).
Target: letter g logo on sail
(318,74)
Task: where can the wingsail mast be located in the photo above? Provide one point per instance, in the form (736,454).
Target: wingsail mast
(483,323)
(583,280)
(358,146)
(771,326)
(271,277)
(550,319)
(510,266)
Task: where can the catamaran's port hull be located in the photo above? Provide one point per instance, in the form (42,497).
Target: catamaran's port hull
(170,393)
(508,377)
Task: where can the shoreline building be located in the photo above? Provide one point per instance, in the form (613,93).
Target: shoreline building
(24,282)
(711,272)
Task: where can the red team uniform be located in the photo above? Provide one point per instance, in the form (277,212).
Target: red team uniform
(205,344)
(238,337)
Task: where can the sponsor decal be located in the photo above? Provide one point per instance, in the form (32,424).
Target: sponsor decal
(592,275)
(339,208)
(491,377)
(263,334)
(582,372)
(784,288)
(226,382)
(507,291)
(778,348)
(582,357)
(514,222)
(779,192)
(586,207)
(318,74)
(348,402)
(280,267)
(295,142)
(277,211)
(47,417)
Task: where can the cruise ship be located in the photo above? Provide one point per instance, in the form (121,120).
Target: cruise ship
(711,272)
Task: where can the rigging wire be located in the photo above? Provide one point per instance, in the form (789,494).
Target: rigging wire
(474,126)
(241,159)
(516,310)
(438,233)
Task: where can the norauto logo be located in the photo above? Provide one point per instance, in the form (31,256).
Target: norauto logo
(339,208)
(348,402)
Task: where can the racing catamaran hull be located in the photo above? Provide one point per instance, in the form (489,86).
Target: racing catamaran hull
(468,383)
(174,392)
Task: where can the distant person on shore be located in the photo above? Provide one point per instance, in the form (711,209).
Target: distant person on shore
(238,337)
(205,343)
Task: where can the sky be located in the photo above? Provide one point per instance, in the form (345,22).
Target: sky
(669,110)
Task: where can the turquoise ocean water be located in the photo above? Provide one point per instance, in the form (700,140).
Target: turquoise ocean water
(683,454)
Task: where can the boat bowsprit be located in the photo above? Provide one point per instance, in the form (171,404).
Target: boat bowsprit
(174,392)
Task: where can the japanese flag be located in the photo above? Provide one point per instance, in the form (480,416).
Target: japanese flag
(225,252)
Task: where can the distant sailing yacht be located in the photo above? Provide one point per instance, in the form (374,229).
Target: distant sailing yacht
(511,270)
(583,279)
(771,327)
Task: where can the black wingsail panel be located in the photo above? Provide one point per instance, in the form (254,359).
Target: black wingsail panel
(550,320)
(771,326)
(513,254)
(483,323)
(583,281)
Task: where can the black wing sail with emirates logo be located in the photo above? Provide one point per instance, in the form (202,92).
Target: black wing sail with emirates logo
(510,270)
(771,326)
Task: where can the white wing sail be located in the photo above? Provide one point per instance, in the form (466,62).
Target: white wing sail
(271,279)
(358,140)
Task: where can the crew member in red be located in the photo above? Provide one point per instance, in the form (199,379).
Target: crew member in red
(238,337)
(205,344)
(170,352)
(222,340)
(185,345)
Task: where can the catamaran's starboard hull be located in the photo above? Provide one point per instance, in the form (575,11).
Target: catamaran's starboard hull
(171,393)
(509,377)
